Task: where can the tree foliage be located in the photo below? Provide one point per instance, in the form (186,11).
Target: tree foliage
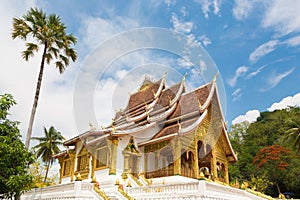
(14,157)
(267,149)
(48,146)
(38,172)
(47,31)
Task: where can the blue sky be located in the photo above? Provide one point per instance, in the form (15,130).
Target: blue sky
(254,44)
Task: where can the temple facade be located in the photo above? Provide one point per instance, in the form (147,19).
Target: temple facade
(163,132)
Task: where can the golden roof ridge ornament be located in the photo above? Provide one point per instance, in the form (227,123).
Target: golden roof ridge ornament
(215,77)
(92,127)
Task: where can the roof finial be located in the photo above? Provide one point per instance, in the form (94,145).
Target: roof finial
(165,74)
(92,128)
(215,77)
(184,76)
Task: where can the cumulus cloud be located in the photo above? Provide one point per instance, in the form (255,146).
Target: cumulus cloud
(286,102)
(238,73)
(250,116)
(263,50)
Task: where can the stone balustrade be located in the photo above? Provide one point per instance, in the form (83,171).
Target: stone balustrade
(74,190)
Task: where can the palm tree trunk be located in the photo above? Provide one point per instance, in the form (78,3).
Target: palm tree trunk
(278,189)
(36,98)
(48,166)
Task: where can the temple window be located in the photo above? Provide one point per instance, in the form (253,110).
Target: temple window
(83,160)
(67,167)
(102,157)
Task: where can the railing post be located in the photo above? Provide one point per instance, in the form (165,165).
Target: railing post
(202,188)
(77,187)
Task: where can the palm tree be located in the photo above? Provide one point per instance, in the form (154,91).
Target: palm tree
(48,32)
(293,134)
(48,146)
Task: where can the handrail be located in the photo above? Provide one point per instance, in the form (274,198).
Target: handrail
(100,192)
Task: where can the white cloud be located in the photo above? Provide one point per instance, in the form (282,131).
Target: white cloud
(238,73)
(263,50)
(192,42)
(205,40)
(275,79)
(242,8)
(286,102)
(252,74)
(183,11)
(180,26)
(207,5)
(250,116)
(294,41)
(237,94)
(170,2)
(282,16)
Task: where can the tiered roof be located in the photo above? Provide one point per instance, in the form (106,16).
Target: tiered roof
(164,113)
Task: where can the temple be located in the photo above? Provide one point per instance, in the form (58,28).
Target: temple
(163,131)
(167,143)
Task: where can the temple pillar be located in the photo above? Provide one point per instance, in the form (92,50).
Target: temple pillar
(114,152)
(72,156)
(61,170)
(213,163)
(195,165)
(90,159)
(226,172)
(94,162)
(177,157)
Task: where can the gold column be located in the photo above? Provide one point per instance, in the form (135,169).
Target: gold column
(72,156)
(196,164)
(177,157)
(114,152)
(94,161)
(213,162)
(226,172)
(61,170)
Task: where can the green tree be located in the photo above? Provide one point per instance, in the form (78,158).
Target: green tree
(292,135)
(14,156)
(38,172)
(48,32)
(48,146)
(274,161)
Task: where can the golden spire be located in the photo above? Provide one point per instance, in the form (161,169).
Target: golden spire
(215,77)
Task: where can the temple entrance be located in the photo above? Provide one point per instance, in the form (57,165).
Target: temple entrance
(204,158)
(187,159)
